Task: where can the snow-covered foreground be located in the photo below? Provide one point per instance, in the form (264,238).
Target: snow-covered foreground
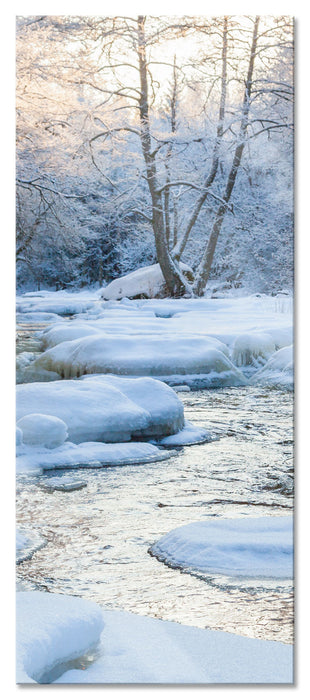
(202,343)
(248,547)
(55,629)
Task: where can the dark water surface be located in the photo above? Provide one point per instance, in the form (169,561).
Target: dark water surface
(98,537)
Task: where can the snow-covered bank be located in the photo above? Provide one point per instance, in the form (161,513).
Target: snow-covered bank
(249,547)
(52,629)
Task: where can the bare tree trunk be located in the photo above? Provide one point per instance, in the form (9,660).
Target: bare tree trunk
(175,281)
(206,262)
(173,123)
(179,247)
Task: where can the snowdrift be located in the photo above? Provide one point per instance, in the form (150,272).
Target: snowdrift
(248,547)
(53,630)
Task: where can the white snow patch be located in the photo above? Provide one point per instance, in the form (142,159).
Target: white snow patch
(247,547)
(189,435)
(52,628)
(46,430)
(278,371)
(27,542)
(62,483)
(140,649)
(89,455)
(147,281)
(252,349)
(19,437)
(157,356)
(105,409)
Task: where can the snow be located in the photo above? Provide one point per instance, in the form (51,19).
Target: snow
(21,540)
(106,409)
(203,342)
(141,355)
(19,437)
(278,371)
(247,547)
(189,435)
(38,429)
(52,629)
(252,349)
(62,483)
(147,281)
(60,303)
(37,317)
(27,542)
(89,455)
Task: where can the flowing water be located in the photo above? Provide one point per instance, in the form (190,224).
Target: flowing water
(98,537)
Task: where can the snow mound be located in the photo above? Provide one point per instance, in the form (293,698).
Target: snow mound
(147,282)
(140,355)
(52,628)
(90,455)
(46,430)
(106,409)
(278,371)
(252,349)
(190,435)
(247,547)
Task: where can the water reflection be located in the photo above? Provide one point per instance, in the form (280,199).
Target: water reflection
(98,538)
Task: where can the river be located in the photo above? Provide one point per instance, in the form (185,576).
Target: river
(98,537)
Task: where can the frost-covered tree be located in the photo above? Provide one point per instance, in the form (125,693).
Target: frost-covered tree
(144,128)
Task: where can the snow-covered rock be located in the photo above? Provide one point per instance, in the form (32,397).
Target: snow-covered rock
(105,409)
(248,547)
(51,629)
(91,455)
(146,281)
(139,355)
(278,371)
(46,430)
